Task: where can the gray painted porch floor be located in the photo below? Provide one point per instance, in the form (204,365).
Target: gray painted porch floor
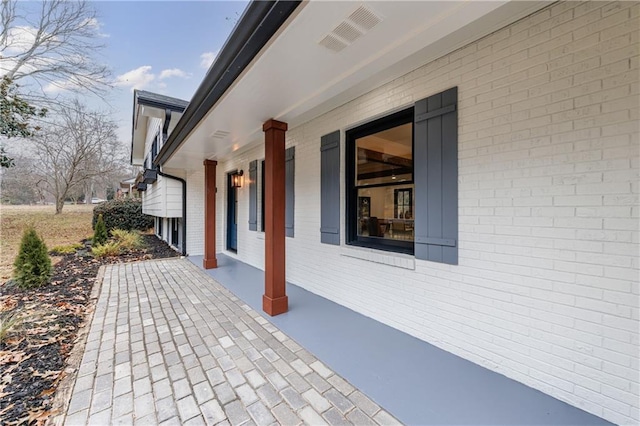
(415,381)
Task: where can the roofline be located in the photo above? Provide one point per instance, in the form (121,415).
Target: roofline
(257,25)
(139,98)
(142,99)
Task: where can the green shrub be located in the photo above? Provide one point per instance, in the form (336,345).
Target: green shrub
(67,249)
(112,248)
(125,213)
(32,267)
(100,232)
(129,240)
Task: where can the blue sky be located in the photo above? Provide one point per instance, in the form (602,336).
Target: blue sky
(164,47)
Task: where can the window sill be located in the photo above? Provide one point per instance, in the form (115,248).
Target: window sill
(397,260)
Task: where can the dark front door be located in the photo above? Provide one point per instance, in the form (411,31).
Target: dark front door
(232,215)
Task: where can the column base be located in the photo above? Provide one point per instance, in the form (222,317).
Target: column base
(209,263)
(276,306)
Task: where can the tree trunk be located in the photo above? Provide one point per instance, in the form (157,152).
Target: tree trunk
(59,205)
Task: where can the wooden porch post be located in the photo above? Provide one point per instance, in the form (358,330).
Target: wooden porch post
(274,300)
(210,260)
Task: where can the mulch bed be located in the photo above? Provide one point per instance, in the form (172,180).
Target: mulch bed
(33,356)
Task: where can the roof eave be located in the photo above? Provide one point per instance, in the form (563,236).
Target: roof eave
(258,24)
(152,100)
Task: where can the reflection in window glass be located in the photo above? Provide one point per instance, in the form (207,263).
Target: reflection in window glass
(386,212)
(384,161)
(380,196)
(385,157)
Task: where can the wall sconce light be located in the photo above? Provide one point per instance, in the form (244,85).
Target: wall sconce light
(236,179)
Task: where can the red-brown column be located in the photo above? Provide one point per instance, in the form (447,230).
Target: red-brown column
(274,301)
(210,260)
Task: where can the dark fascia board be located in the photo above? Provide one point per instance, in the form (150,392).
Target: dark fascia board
(157,100)
(257,25)
(154,100)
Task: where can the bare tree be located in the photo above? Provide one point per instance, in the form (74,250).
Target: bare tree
(78,147)
(51,46)
(21,184)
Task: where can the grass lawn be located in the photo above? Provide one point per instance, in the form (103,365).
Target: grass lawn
(71,226)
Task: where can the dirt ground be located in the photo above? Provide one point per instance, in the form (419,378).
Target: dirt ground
(71,226)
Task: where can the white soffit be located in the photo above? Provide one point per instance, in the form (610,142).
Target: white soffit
(300,75)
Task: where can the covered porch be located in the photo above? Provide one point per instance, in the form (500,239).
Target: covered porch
(417,382)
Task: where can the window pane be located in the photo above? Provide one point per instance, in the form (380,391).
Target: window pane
(381,215)
(385,157)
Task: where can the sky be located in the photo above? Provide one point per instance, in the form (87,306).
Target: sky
(164,47)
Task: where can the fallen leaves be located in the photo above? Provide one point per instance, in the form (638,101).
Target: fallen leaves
(7,303)
(10,357)
(33,355)
(47,374)
(40,417)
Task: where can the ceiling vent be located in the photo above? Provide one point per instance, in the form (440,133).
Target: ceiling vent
(220,134)
(352,28)
(332,43)
(347,31)
(365,18)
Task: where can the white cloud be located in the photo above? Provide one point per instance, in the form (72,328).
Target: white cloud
(207,58)
(138,78)
(173,72)
(61,86)
(97,26)
(19,40)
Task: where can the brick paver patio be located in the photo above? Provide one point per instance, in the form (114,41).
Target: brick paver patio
(169,345)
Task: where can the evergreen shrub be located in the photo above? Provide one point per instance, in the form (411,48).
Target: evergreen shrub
(32,267)
(100,232)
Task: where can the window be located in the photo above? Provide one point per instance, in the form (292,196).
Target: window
(175,232)
(154,150)
(380,183)
(390,204)
(402,203)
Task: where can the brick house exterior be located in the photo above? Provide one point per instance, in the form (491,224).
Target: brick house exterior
(545,290)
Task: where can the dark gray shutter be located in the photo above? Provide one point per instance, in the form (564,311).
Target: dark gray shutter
(436,177)
(253,195)
(330,188)
(290,174)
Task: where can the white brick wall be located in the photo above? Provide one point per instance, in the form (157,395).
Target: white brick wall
(546,291)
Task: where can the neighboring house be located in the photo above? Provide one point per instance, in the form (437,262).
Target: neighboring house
(466,172)
(162,189)
(127,188)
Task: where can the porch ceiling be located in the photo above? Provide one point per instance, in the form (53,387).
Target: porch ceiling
(295,78)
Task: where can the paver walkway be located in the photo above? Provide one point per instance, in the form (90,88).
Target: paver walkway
(169,345)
